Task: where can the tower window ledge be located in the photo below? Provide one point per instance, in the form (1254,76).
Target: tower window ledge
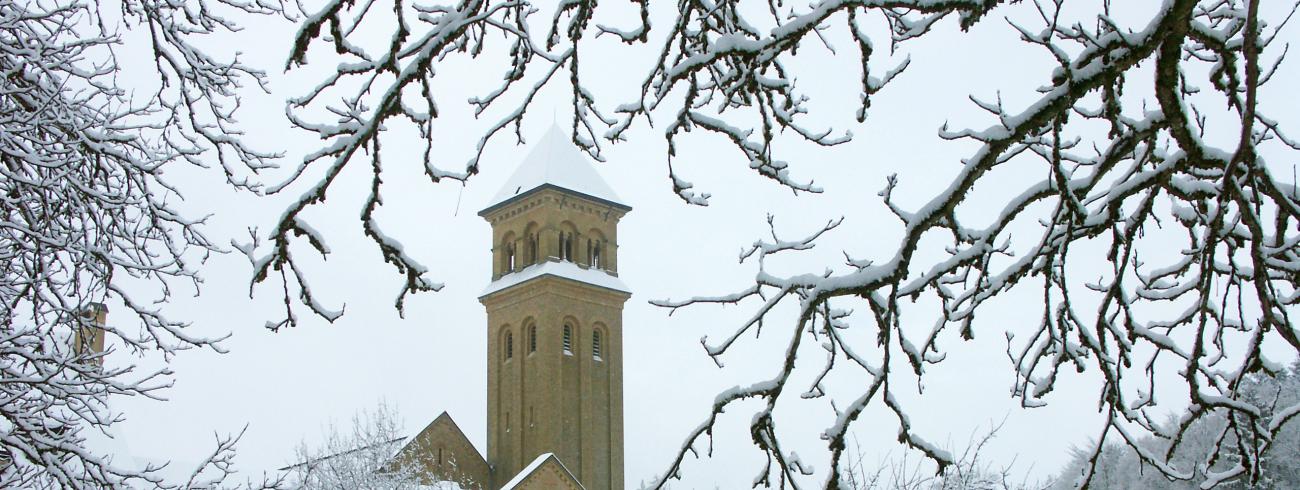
(568,270)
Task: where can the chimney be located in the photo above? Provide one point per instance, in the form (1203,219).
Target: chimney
(89,339)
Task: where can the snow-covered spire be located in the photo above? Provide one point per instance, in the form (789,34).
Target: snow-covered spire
(555,162)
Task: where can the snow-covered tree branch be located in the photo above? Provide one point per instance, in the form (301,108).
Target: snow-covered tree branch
(1150,238)
(87,220)
(1150,169)
(970,471)
(1118,464)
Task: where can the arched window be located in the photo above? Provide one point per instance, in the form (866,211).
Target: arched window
(510,257)
(595,255)
(595,345)
(532,338)
(568,339)
(510,345)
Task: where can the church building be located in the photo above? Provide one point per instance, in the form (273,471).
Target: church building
(554,334)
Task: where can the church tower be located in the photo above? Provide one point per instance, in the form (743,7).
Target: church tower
(555,319)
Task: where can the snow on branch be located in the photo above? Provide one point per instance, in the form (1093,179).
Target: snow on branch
(88,221)
(724,68)
(1238,222)
(372,86)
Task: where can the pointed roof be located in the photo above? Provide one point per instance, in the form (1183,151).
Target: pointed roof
(442,419)
(544,460)
(422,451)
(556,162)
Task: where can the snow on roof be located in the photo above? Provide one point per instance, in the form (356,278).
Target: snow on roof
(555,161)
(567,270)
(537,463)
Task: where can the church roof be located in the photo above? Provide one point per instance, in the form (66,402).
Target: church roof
(409,438)
(536,465)
(555,162)
(567,270)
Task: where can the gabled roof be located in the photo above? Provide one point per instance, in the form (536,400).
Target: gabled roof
(441,419)
(536,465)
(555,162)
(423,452)
(567,270)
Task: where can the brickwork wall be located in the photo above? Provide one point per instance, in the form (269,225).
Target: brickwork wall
(441,452)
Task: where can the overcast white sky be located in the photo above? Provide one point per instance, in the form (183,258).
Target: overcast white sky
(286,386)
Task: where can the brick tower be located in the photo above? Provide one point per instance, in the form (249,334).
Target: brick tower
(555,319)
